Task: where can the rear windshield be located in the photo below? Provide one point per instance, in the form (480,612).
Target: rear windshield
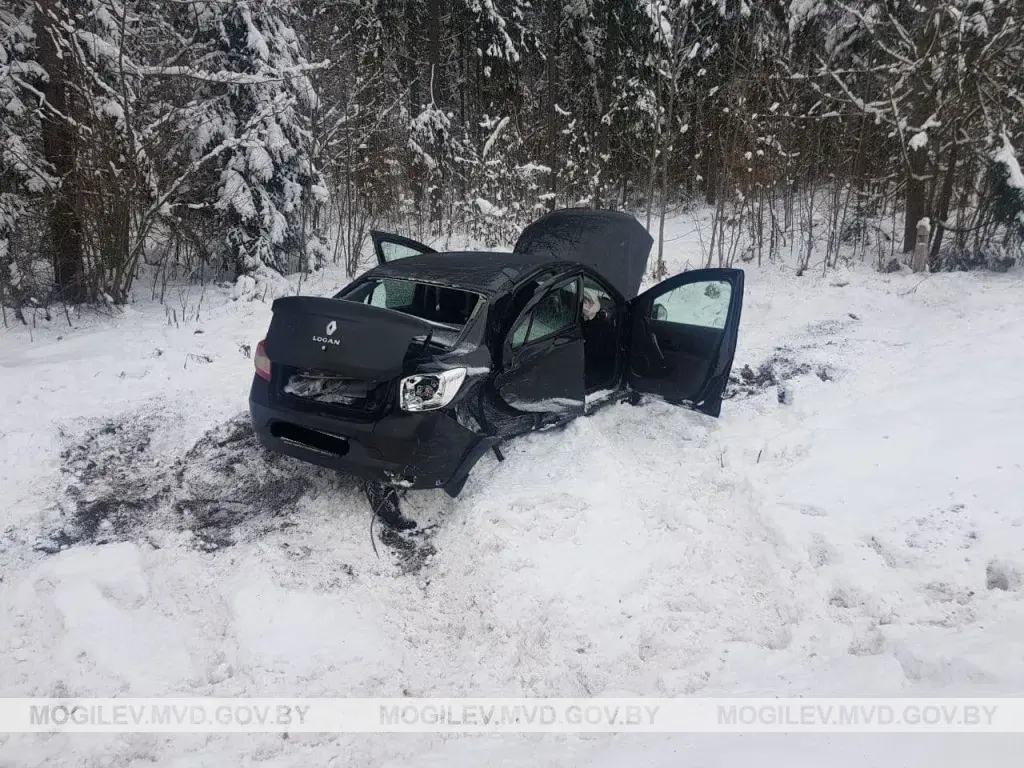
(448,309)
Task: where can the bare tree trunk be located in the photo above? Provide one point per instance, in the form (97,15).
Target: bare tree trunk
(437,98)
(944,199)
(412,31)
(917,155)
(710,157)
(652,175)
(59,147)
(652,178)
(660,270)
(554,22)
(915,197)
(603,181)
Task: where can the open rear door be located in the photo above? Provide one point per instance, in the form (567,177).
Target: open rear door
(390,247)
(683,337)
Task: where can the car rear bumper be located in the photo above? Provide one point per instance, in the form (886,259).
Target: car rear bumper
(412,450)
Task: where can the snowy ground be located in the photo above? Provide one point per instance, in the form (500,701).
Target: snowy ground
(853,524)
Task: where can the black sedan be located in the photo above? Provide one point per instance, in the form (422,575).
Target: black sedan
(411,373)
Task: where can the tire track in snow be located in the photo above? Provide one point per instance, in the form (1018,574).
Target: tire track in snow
(618,555)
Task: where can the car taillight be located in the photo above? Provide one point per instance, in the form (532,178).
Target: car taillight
(261,361)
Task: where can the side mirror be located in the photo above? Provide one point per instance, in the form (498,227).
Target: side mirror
(658,312)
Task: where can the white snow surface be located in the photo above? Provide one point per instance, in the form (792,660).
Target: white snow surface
(919,140)
(1006,156)
(864,537)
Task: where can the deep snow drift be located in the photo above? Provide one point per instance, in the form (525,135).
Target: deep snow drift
(853,524)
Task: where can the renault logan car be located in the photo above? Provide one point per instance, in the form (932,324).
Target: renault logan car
(412,372)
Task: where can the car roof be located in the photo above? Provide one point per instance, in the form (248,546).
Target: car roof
(486,272)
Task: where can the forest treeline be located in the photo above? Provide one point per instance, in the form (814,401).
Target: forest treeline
(208,139)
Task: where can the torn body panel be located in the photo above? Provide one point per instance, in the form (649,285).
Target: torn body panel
(411,450)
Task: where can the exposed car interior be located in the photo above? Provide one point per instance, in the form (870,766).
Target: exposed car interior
(600,336)
(560,309)
(436,304)
(555,312)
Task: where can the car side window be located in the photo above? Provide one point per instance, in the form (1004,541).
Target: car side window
(395,251)
(558,310)
(391,294)
(704,304)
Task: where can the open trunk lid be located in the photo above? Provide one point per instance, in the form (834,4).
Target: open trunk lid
(347,338)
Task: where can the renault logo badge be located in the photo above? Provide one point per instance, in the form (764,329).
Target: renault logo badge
(332,327)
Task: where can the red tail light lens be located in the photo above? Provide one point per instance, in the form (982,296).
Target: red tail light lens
(261,361)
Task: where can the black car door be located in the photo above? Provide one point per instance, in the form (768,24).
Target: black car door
(682,337)
(542,369)
(390,247)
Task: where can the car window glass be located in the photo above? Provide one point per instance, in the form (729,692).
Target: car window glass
(704,304)
(394,251)
(392,294)
(519,335)
(553,313)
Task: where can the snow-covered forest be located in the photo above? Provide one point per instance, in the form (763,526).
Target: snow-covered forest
(210,139)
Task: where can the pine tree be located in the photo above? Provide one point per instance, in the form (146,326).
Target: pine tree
(250,109)
(24,174)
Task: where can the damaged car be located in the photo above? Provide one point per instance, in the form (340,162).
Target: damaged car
(426,362)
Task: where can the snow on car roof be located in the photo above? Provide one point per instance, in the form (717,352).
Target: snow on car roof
(484,272)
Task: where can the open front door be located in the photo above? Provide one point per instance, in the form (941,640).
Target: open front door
(683,337)
(393,247)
